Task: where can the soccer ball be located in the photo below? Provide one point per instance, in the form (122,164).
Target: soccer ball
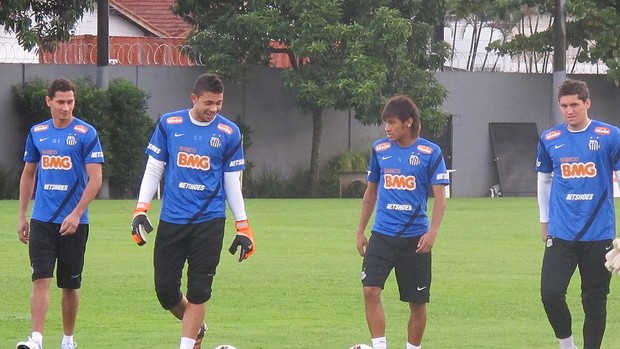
(361,346)
(225,346)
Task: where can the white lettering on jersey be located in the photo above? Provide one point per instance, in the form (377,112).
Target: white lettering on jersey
(399,207)
(96,155)
(236,163)
(59,187)
(190,186)
(154,148)
(579,197)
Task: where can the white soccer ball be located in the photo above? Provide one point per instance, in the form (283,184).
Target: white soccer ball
(361,346)
(226,346)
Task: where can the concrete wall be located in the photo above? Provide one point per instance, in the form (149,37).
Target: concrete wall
(281,135)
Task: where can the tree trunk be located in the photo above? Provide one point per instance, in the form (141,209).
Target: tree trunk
(315,156)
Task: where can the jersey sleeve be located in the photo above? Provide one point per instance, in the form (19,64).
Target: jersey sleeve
(615,151)
(543,160)
(31,153)
(374,171)
(157,145)
(93,151)
(233,157)
(439,173)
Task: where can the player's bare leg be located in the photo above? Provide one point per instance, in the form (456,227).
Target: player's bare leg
(417,323)
(375,316)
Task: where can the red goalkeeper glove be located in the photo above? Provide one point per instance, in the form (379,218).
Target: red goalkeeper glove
(140,223)
(243,239)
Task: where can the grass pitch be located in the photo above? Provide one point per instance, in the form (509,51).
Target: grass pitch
(301,288)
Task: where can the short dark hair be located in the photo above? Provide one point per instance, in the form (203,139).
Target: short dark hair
(62,85)
(404,108)
(574,87)
(208,83)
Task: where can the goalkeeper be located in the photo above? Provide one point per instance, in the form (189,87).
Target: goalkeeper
(575,163)
(199,154)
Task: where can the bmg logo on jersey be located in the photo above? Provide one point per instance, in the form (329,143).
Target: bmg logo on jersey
(399,182)
(194,161)
(55,162)
(578,170)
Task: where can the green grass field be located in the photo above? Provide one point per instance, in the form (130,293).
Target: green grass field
(301,288)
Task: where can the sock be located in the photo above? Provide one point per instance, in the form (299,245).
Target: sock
(567,343)
(67,339)
(379,343)
(37,337)
(411,346)
(187,343)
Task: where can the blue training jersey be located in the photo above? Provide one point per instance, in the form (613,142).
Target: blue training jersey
(404,177)
(196,158)
(581,206)
(62,155)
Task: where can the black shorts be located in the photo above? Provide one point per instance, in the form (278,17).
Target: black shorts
(47,246)
(562,257)
(200,245)
(413,270)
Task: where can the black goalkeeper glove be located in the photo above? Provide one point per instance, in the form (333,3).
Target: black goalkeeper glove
(140,223)
(243,239)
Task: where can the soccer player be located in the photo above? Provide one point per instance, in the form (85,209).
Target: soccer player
(63,156)
(575,165)
(403,169)
(199,153)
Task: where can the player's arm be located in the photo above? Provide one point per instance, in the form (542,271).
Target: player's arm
(543,193)
(244,239)
(612,258)
(368,206)
(439,208)
(95,178)
(140,223)
(26,189)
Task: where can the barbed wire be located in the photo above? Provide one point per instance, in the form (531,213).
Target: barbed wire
(166,54)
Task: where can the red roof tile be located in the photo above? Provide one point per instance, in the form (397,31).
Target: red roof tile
(153,15)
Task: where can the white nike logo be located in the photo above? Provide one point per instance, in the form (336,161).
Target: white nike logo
(43,139)
(421,288)
(75,276)
(179,134)
(385,157)
(608,248)
(559,146)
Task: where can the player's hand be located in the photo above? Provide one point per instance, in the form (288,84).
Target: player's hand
(361,242)
(243,239)
(23,230)
(140,223)
(612,258)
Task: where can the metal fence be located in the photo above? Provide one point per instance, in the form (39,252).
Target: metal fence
(157,52)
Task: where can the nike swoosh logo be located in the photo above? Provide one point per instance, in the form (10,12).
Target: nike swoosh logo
(179,134)
(608,248)
(385,157)
(43,139)
(421,288)
(559,146)
(75,276)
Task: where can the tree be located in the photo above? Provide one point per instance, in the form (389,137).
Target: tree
(344,53)
(593,28)
(42,22)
